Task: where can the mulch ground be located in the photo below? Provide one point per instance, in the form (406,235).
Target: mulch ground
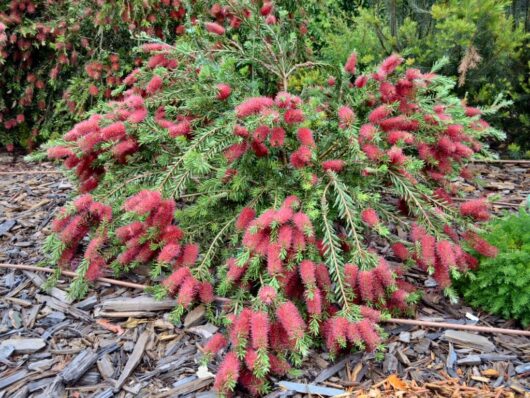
(118,342)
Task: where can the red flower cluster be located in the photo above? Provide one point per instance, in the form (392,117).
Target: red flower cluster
(72,228)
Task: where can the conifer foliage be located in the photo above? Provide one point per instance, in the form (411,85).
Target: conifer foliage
(229,184)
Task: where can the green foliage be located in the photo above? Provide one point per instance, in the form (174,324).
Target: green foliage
(486,42)
(500,284)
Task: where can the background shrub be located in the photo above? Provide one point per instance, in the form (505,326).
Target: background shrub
(486,43)
(500,284)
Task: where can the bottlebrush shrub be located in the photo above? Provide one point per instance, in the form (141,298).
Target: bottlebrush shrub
(500,284)
(278,201)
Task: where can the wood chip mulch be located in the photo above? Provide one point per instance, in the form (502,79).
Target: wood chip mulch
(118,342)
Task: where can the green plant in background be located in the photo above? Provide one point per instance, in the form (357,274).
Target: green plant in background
(500,284)
(486,42)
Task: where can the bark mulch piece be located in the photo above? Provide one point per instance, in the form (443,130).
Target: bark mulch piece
(118,342)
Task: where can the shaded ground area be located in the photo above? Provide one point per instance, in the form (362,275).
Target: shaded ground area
(118,342)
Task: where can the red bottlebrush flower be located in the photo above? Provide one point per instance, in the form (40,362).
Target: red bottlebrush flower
(261,133)
(476,208)
(396,156)
(278,366)
(72,231)
(270,19)
(252,106)
(130,231)
(215,28)
(228,373)
(346,117)
(181,128)
(93,90)
(471,112)
(234,271)
(189,254)
(383,273)
(285,235)
(259,149)
(401,251)
(388,92)
(137,116)
(58,152)
(240,131)
(361,81)
(240,327)
(171,233)
(274,263)
(251,356)
(446,254)
(446,145)
(259,330)
(235,151)
(368,334)
(314,304)
(480,245)
(223,91)
(277,137)
(303,223)
(427,243)
(417,232)
(307,272)
(441,275)
(215,344)
(394,136)
(266,9)
(442,194)
(187,292)
(333,165)
(351,64)
(353,334)
(267,295)
(305,136)
(95,269)
(244,218)
(113,131)
(390,64)
(154,85)
(370,314)
(301,157)
(350,273)
(169,253)
(412,74)
(293,116)
(398,299)
(123,149)
(266,219)
(370,217)
(367,132)
(253,240)
(331,81)
(143,202)
(173,281)
(372,152)
(451,233)
(91,252)
(60,223)
(83,202)
(206,292)
(336,333)
(323,278)
(285,100)
(366,285)
(462,151)
(282,215)
(291,320)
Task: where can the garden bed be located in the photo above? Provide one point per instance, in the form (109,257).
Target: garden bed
(119,342)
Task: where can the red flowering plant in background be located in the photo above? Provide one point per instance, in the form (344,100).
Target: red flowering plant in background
(227,183)
(52,70)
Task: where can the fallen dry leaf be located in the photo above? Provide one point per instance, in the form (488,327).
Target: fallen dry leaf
(396,383)
(110,326)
